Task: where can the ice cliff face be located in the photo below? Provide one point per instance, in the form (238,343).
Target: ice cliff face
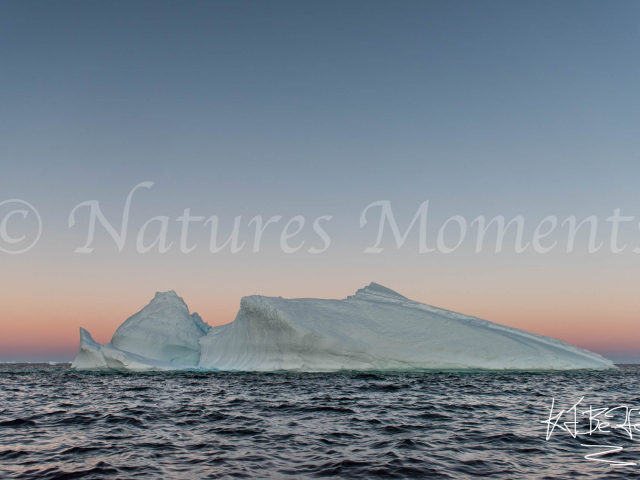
(163,330)
(376,329)
(162,336)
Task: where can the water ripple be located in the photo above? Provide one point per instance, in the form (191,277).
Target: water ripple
(60,424)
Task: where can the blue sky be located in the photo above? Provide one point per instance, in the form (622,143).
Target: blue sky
(326,102)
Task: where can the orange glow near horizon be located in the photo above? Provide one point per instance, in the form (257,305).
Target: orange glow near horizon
(50,327)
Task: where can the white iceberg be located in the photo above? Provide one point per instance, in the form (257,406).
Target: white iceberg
(163,330)
(376,329)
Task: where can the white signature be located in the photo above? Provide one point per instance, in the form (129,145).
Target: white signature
(594,421)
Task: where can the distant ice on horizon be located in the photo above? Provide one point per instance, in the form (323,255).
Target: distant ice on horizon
(376,329)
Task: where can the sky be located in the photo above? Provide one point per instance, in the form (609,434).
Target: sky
(245,109)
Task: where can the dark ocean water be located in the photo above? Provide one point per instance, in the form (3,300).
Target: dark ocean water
(56,423)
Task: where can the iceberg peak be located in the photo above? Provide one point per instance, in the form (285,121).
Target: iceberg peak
(375,290)
(89,353)
(85,336)
(170,296)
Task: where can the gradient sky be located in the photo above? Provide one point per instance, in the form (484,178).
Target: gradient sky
(319,108)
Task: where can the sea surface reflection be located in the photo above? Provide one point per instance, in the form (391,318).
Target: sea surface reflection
(56,423)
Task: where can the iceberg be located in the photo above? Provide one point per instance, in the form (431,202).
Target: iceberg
(162,336)
(163,330)
(376,329)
